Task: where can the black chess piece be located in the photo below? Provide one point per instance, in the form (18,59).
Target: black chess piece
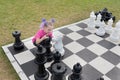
(105,15)
(47,44)
(57,59)
(58,71)
(18,44)
(40,60)
(77,71)
(101,78)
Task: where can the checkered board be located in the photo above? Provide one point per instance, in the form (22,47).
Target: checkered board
(98,55)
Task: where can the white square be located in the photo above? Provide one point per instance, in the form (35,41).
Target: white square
(74,36)
(24,57)
(106,78)
(101,65)
(72,60)
(74,28)
(97,49)
(90,30)
(116,50)
(29,44)
(118,65)
(57,33)
(94,38)
(74,47)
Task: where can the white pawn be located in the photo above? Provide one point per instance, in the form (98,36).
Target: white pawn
(58,44)
(115,35)
(117,26)
(101,30)
(91,24)
(98,20)
(109,27)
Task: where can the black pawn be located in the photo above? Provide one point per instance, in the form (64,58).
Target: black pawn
(101,78)
(46,44)
(40,60)
(58,71)
(76,75)
(18,44)
(57,59)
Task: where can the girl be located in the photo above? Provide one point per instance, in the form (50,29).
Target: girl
(44,32)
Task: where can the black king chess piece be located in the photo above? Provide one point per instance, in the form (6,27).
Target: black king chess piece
(47,44)
(40,60)
(18,44)
(77,71)
(58,71)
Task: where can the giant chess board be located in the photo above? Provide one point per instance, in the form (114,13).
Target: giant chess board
(98,55)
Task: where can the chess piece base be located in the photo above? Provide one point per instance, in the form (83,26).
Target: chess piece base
(100,33)
(108,30)
(114,39)
(18,46)
(69,78)
(52,78)
(41,77)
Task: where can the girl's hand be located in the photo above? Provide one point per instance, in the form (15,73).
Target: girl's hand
(45,37)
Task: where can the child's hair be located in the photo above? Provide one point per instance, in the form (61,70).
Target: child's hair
(46,23)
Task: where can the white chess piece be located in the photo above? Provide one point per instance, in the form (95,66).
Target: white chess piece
(101,30)
(58,44)
(109,27)
(91,24)
(117,26)
(98,20)
(115,35)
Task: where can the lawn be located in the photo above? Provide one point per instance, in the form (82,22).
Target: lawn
(26,15)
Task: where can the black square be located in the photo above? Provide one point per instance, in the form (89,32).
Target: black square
(65,30)
(13,51)
(87,55)
(85,42)
(83,32)
(66,40)
(82,25)
(114,74)
(33,50)
(111,57)
(91,73)
(106,44)
(67,53)
(105,36)
(29,68)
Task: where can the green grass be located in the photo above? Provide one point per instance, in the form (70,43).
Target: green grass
(25,15)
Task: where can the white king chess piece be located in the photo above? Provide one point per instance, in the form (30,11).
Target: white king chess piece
(91,24)
(115,35)
(98,20)
(109,27)
(58,44)
(101,30)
